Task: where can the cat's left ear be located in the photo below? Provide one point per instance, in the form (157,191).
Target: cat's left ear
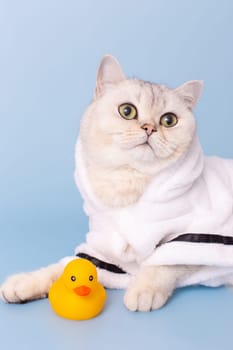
(190,92)
(109,73)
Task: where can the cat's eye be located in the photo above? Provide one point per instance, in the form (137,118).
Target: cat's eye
(73,278)
(128,111)
(168,120)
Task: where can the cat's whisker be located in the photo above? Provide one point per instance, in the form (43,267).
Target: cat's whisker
(115,133)
(135,137)
(133,142)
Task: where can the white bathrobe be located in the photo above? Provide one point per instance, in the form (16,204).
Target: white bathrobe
(185,217)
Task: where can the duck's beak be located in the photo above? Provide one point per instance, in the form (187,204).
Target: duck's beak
(82,291)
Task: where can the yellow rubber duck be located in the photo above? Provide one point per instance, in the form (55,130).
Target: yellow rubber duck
(77,295)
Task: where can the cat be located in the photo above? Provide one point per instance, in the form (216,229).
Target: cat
(138,163)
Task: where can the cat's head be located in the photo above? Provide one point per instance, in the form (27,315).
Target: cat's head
(135,123)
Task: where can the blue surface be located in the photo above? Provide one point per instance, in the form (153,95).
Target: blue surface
(50,50)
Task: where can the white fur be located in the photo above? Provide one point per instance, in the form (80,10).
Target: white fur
(153,286)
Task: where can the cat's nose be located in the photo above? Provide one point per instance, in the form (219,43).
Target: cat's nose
(149,128)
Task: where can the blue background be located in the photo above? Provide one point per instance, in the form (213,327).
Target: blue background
(49,53)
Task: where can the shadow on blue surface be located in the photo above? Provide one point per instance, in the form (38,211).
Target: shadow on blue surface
(193,319)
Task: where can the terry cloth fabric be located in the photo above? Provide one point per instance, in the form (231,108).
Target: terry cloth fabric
(185,217)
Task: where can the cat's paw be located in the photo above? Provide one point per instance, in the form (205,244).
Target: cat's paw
(145,298)
(21,288)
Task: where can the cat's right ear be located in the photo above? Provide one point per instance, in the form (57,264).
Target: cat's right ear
(190,92)
(109,73)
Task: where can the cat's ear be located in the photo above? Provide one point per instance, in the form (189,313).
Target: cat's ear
(109,73)
(190,92)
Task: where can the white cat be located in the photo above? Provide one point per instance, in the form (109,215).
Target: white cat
(160,212)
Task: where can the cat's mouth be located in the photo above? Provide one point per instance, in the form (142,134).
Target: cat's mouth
(146,144)
(145,150)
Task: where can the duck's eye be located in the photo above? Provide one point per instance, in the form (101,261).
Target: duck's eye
(168,120)
(128,111)
(91,278)
(73,278)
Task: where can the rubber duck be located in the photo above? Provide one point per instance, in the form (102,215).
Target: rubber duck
(77,294)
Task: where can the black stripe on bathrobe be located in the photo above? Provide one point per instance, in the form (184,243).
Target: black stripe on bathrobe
(187,237)
(203,238)
(101,264)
